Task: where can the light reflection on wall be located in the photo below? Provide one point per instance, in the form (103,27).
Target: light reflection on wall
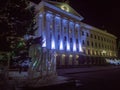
(44,42)
(61,45)
(74,47)
(68,46)
(80,48)
(53,44)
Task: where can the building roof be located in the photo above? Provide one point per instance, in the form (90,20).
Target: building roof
(60,5)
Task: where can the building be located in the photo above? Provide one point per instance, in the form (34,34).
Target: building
(75,42)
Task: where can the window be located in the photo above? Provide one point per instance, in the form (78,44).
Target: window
(77,41)
(91,35)
(88,52)
(71,40)
(65,29)
(87,43)
(83,43)
(98,37)
(101,39)
(92,44)
(95,44)
(65,38)
(58,37)
(87,34)
(83,33)
(95,36)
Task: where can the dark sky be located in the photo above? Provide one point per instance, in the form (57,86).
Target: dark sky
(104,14)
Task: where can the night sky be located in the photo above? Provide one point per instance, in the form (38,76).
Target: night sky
(101,14)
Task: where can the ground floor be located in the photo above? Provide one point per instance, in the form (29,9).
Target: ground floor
(75,59)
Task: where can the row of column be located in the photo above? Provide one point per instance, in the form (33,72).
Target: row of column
(81,60)
(59,33)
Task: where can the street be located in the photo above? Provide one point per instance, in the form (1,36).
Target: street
(97,80)
(105,79)
(90,78)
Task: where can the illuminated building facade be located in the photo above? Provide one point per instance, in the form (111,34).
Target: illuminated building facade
(75,42)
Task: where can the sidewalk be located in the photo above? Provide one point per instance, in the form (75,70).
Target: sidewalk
(85,69)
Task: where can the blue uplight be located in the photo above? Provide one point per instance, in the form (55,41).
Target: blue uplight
(44,42)
(68,46)
(53,44)
(80,48)
(61,45)
(74,47)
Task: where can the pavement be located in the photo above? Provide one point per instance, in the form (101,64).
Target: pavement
(61,72)
(84,69)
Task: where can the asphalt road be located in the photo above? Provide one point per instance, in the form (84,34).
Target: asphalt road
(98,80)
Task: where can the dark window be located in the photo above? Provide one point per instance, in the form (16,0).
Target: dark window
(88,52)
(64,38)
(77,41)
(82,32)
(101,39)
(83,43)
(95,36)
(65,29)
(98,37)
(71,40)
(92,44)
(87,34)
(95,44)
(87,43)
(91,35)
(58,37)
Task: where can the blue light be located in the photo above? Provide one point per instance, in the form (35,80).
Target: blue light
(48,15)
(53,44)
(80,48)
(74,47)
(61,45)
(57,18)
(40,15)
(68,46)
(44,42)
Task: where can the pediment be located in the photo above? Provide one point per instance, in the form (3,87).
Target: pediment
(65,7)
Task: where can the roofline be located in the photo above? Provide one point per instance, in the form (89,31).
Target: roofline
(97,29)
(43,3)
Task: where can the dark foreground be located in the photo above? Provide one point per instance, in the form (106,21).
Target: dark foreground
(95,80)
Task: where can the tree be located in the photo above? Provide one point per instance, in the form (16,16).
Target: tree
(16,20)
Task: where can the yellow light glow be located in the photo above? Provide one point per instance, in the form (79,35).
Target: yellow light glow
(63,7)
